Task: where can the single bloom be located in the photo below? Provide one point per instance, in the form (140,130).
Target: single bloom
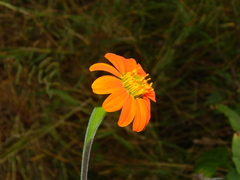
(128,88)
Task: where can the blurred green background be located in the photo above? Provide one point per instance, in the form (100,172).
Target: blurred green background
(191,50)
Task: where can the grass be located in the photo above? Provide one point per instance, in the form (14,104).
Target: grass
(189,48)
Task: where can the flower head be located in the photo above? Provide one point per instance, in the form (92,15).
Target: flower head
(129,90)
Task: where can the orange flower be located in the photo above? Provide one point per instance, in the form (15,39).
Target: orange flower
(128,90)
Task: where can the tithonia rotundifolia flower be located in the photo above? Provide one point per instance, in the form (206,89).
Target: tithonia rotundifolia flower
(128,88)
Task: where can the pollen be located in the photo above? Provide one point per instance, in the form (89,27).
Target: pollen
(135,84)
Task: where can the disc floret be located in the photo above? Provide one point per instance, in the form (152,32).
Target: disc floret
(135,84)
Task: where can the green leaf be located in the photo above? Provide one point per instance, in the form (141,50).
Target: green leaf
(215,98)
(236,151)
(210,160)
(95,120)
(232,175)
(233,117)
(65,96)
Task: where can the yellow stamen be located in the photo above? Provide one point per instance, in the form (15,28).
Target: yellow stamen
(135,84)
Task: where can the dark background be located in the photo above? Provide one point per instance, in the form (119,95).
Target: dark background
(191,50)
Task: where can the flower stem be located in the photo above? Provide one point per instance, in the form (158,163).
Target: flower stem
(95,120)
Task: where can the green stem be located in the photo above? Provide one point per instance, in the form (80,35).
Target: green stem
(95,120)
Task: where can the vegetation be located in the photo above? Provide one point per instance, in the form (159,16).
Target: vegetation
(191,49)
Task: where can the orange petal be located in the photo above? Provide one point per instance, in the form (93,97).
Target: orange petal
(142,115)
(104,67)
(140,70)
(106,84)
(115,101)
(151,95)
(128,112)
(118,61)
(131,64)
(148,107)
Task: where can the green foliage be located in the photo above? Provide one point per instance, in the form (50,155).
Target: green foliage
(215,98)
(236,151)
(234,119)
(65,96)
(209,161)
(232,175)
(232,115)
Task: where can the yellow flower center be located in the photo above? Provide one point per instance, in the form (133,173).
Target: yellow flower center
(135,84)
